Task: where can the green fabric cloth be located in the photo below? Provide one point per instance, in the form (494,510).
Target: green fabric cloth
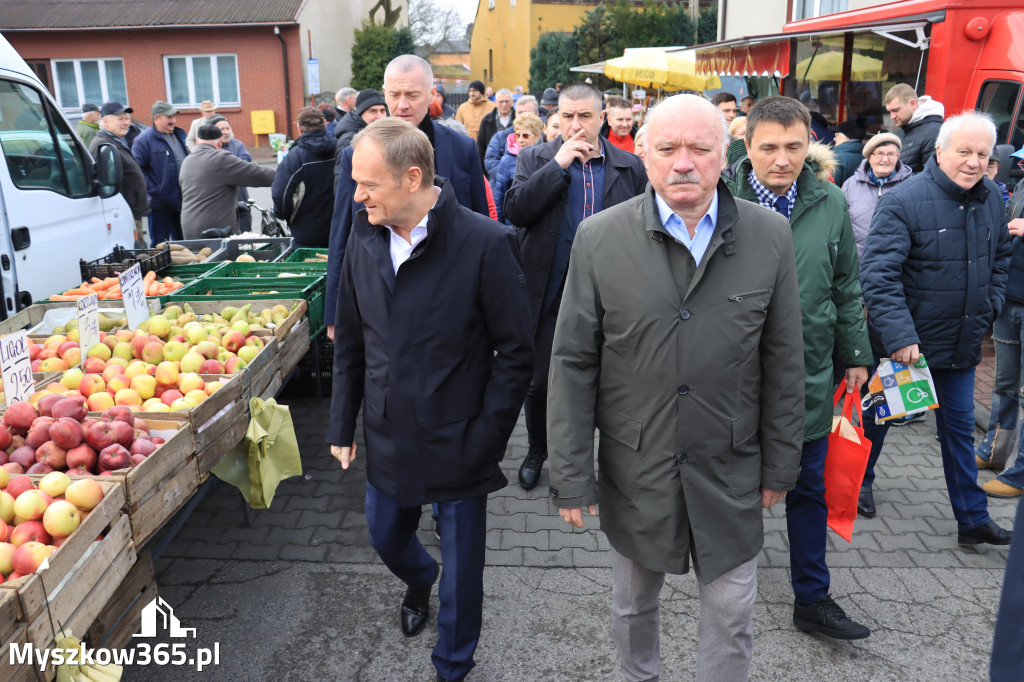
(830,295)
(268,454)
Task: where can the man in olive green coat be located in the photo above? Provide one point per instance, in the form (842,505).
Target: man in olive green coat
(678,337)
(779,173)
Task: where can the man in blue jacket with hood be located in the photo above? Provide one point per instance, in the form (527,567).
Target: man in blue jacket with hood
(159,152)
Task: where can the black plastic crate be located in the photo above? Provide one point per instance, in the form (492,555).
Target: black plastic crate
(113,264)
(322,372)
(265,249)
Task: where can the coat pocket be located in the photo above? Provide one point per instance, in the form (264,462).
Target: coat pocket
(621,427)
(375,398)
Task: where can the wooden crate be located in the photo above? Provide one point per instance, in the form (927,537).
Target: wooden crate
(58,589)
(209,452)
(22,672)
(267,381)
(122,616)
(279,332)
(293,347)
(215,414)
(33,315)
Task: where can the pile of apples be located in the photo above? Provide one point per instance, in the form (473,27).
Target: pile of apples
(59,436)
(34,522)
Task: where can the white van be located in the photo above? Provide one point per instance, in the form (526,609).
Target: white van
(57,205)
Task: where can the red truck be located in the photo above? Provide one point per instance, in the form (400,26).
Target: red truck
(961,53)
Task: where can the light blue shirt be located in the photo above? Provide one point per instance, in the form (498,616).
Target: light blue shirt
(677,228)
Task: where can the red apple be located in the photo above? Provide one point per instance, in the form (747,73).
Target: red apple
(30,531)
(16,442)
(141,424)
(37,436)
(114,457)
(67,433)
(29,556)
(47,402)
(18,485)
(6,437)
(211,367)
(157,440)
(52,454)
(142,446)
(82,457)
(4,457)
(101,435)
(40,468)
(73,406)
(125,432)
(138,459)
(94,365)
(13,468)
(20,416)
(25,456)
(170,395)
(118,413)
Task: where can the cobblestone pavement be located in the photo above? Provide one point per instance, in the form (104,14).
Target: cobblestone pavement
(300,595)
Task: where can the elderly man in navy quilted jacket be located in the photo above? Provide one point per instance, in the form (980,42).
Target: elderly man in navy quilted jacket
(934,277)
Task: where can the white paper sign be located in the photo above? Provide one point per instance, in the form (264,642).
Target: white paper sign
(88,323)
(313,67)
(134,296)
(17,367)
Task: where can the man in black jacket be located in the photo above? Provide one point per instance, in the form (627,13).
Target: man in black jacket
(369,107)
(934,278)
(114,125)
(919,119)
(436,345)
(303,189)
(503,116)
(556,186)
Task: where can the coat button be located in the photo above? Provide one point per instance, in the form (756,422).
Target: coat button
(681,457)
(551,234)
(684,313)
(553,491)
(682,389)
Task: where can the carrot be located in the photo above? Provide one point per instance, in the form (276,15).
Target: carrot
(64,297)
(96,280)
(79,291)
(105,284)
(149,277)
(168,280)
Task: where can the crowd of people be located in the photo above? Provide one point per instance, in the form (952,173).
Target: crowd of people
(695,288)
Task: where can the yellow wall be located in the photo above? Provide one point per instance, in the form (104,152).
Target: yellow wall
(503,36)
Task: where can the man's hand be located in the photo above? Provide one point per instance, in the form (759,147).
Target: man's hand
(330,332)
(855,378)
(908,355)
(1016,227)
(770,497)
(574,517)
(344,455)
(575,148)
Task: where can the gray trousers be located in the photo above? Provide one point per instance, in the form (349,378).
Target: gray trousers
(725,634)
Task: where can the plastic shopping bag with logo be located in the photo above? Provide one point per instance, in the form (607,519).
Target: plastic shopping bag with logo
(897,390)
(847,458)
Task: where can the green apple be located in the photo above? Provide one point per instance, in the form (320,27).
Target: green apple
(248,353)
(175,350)
(194,332)
(241,326)
(159,326)
(192,361)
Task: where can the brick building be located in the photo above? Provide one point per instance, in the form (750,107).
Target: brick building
(244,56)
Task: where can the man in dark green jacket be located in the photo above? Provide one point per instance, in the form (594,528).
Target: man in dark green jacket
(778,174)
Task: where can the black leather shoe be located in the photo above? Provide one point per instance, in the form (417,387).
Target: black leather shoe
(866,503)
(989,534)
(826,616)
(529,472)
(416,607)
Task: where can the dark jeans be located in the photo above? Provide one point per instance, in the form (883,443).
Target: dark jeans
(1007,396)
(807,525)
(536,406)
(461,589)
(954,418)
(164,226)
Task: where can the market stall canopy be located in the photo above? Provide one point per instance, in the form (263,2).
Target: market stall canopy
(658,69)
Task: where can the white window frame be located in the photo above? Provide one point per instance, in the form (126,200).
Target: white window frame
(78,80)
(194,104)
(816,11)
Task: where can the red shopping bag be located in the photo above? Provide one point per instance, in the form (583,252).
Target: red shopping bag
(845,463)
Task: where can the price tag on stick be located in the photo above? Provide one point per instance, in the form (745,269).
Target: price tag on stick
(17,367)
(134,296)
(88,323)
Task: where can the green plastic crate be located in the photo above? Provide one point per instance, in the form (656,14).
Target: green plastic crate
(309,287)
(300,255)
(191,271)
(270,270)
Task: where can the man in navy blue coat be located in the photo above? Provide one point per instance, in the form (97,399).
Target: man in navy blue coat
(408,91)
(934,278)
(437,345)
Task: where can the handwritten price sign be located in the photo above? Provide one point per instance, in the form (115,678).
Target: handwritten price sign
(17,367)
(134,296)
(88,323)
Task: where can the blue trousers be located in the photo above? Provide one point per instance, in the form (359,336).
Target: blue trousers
(954,389)
(1007,394)
(461,589)
(164,226)
(806,523)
